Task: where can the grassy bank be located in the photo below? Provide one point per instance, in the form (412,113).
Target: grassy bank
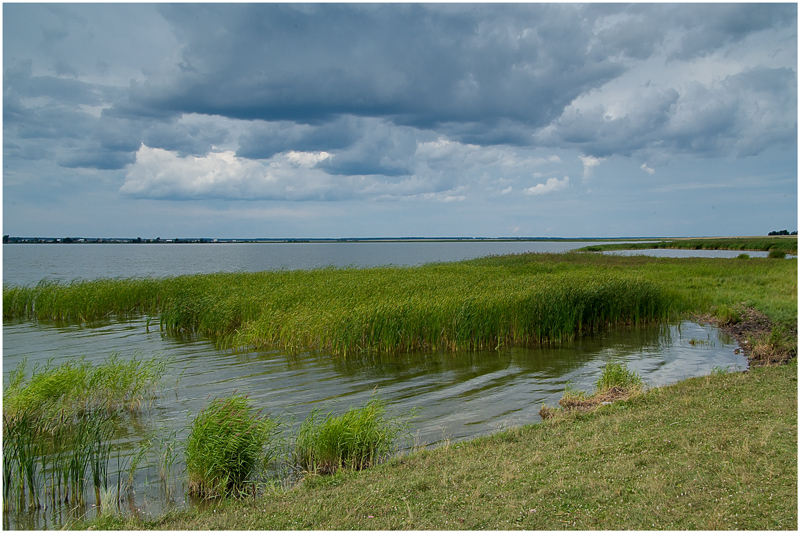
(785,244)
(716,452)
(484,303)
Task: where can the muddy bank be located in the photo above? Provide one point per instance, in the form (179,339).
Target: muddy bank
(763,341)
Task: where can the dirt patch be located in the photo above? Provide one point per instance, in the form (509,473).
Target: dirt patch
(762,341)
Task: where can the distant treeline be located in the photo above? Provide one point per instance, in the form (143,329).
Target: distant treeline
(782,232)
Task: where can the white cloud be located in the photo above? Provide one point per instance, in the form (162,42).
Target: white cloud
(307,159)
(159,173)
(589,162)
(647,169)
(552,185)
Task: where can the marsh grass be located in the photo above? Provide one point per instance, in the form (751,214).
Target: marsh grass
(59,424)
(787,245)
(358,438)
(457,306)
(525,299)
(229,444)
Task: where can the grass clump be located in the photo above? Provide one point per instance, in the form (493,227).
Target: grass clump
(774,347)
(617,375)
(77,385)
(356,439)
(616,382)
(726,315)
(228,445)
(59,423)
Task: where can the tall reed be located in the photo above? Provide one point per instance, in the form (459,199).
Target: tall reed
(442,306)
(59,423)
(477,304)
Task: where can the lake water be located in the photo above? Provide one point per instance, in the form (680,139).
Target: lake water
(460,395)
(25,264)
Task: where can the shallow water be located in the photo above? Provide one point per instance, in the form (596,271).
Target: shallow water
(460,395)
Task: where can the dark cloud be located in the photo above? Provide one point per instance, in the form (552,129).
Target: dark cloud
(367,83)
(709,27)
(419,66)
(18,80)
(265,139)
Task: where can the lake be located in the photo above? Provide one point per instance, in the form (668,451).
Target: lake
(25,264)
(459,395)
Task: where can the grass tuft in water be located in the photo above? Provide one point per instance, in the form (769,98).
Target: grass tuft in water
(616,382)
(228,445)
(58,426)
(356,439)
(617,375)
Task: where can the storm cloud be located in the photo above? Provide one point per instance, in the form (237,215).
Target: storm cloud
(389,102)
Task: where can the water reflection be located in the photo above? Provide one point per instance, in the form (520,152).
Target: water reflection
(461,394)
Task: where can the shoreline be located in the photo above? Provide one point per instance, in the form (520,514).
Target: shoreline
(676,457)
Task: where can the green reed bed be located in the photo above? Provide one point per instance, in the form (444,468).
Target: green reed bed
(787,245)
(446,306)
(58,426)
(484,303)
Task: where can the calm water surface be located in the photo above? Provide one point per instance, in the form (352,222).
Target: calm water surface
(25,264)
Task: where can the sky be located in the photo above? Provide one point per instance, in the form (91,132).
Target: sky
(399,120)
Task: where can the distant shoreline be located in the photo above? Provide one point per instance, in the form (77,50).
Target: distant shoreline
(127,240)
